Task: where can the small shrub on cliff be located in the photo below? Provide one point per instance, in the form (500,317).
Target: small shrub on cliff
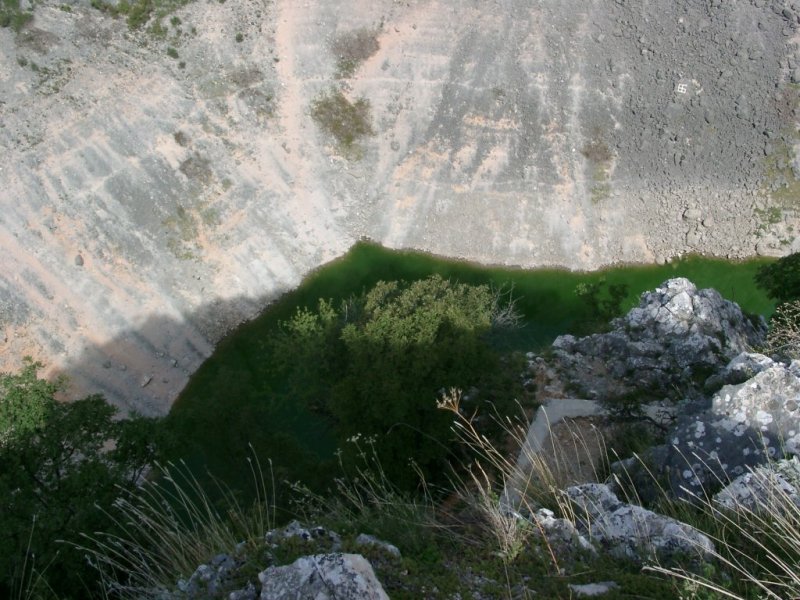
(783,337)
(346,121)
(11,15)
(352,48)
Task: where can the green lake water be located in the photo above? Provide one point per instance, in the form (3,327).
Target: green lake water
(228,401)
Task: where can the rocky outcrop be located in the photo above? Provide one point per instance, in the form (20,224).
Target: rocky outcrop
(322,577)
(668,346)
(365,540)
(212,579)
(324,573)
(561,535)
(773,488)
(739,370)
(295,531)
(631,532)
(745,425)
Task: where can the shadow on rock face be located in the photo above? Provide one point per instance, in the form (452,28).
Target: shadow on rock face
(144,369)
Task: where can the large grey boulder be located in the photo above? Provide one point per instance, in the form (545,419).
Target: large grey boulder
(740,369)
(667,346)
(633,532)
(322,577)
(745,426)
(766,488)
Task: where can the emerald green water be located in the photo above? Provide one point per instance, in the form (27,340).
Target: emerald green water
(229,401)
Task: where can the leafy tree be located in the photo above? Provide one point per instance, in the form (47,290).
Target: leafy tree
(25,403)
(377,364)
(602,301)
(62,466)
(781,279)
(306,352)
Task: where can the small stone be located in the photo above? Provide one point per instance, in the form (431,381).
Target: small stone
(370,540)
(78,260)
(593,589)
(146,380)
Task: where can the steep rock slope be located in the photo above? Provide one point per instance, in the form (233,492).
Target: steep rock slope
(158,190)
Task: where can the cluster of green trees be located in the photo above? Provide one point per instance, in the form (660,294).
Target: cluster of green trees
(781,279)
(62,466)
(372,367)
(376,364)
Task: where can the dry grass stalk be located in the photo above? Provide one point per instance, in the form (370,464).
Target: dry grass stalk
(783,338)
(533,480)
(169,528)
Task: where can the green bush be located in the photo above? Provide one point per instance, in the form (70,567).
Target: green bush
(12,16)
(139,13)
(63,466)
(781,279)
(377,364)
(346,121)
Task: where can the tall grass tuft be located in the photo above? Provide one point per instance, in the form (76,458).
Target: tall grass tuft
(169,527)
(508,489)
(757,540)
(365,500)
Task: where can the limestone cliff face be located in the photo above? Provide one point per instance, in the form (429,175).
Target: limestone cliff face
(150,202)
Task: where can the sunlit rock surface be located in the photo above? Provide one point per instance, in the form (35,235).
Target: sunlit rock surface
(149,202)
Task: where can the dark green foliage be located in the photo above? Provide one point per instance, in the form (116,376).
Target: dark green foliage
(62,465)
(172,52)
(602,301)
(781,279)
(346,121)
(25,403)
(140,12)
(376,365)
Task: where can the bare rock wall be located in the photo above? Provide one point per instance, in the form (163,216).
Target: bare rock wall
(152,201)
